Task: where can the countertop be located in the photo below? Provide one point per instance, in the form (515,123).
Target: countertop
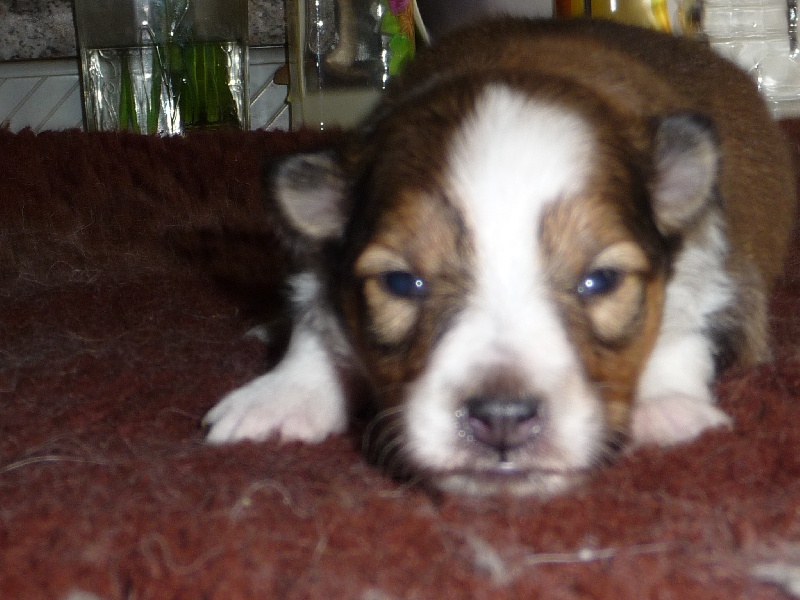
(31,29)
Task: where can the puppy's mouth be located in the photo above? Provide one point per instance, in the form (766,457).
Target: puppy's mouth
(507,478)
(482,472)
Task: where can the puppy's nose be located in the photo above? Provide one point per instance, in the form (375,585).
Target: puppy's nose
(504,423)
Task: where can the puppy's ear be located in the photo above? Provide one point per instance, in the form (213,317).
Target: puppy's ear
(686,158)
(311,195)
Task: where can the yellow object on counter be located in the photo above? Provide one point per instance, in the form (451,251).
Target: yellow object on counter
(676,16)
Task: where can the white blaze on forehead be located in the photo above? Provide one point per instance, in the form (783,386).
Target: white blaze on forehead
(510,160)
(520,154)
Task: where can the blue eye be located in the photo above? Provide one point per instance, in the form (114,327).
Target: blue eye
(599,282)
(403,285)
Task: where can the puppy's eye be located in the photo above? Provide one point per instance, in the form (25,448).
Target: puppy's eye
(599,283)
(403,284)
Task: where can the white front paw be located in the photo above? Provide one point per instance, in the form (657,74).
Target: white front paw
(674,419)
(278,405)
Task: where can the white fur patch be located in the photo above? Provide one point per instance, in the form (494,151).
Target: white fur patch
(674,402)
(508,162)
(300,399)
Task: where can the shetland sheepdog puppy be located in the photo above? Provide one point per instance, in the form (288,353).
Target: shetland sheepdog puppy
(540,248)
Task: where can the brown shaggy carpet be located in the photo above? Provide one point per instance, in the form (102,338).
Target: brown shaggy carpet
(131,269)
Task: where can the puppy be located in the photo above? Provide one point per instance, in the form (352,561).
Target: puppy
(540,246)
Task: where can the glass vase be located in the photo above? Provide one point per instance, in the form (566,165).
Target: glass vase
(163,66)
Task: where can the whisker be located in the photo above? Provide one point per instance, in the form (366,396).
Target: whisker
(376,422)
(384,446)
(395,463)
(388,449)
(375,428)
(401,468)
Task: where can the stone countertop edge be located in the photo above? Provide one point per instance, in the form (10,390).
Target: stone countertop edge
(32,29)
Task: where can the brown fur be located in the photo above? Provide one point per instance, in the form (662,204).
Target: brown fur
(421,234)
(415,236)
(416,226)
(680,137)
(573,234)
(643,75)
(622,82)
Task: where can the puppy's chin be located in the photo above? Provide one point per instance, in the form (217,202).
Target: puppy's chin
(535,475)
(537,483)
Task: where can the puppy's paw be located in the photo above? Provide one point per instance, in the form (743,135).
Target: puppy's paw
(278,405)
(674,419)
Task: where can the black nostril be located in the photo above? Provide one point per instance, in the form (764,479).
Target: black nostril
(503,423)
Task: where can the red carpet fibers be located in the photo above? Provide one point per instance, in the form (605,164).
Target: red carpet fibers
(129,270)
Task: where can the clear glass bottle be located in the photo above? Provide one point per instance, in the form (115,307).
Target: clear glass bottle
(761,37)
(341,56)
